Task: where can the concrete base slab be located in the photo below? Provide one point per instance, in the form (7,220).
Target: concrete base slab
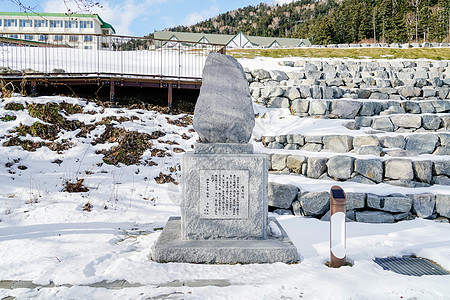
(276,248)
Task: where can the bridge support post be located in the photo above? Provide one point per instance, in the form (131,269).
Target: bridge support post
(169,98)
(112,96)
(33,89)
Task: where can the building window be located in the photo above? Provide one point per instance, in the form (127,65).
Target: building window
(29,37)
(40,23)
(56,23)
(14,36)
(25,23)
(73,38)
(86,24)
(58,38)
(43,37)
(88,47)
(71,24)
(88,38)
(0,22)
(10,23)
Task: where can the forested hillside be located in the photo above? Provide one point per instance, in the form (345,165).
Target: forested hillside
(334,21)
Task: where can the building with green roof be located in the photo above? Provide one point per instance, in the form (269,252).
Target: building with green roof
(238,40)
(55,27)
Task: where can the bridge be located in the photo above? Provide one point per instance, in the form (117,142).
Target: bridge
(35,60)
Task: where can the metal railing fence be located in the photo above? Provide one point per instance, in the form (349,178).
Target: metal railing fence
(92,54)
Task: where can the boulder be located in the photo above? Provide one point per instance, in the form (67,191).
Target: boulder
(300,106)
(278,162)
(278,75)
(411,107)
(370,168)
(442,167)
(345,109)
(440,180)
(224,110)
(421,143)
(292,93)
(423,170)
(396,168)
(444,138)
(260,74)
(390,203)
(316,167)
(281,195)
(443,205)
(295,162)
(354,200)
(431,122)
(365,140)
(340,167)
(374,217)
(423,204)
(407,121)
(409,91)
(295,139)
(383,124)
(318,107)
(393,141)
(312,147)
(338,143)
(315,204)
(368,150)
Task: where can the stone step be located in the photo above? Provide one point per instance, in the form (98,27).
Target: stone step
(396,171)
(404,123)
(379,145)
(360,207)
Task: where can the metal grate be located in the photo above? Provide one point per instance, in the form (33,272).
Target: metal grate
(411,266)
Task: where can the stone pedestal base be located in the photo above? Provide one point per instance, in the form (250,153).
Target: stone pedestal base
(170,248)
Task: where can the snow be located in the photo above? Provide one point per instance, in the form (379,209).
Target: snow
(46,236)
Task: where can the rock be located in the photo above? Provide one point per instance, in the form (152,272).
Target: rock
(278,75)
(431,122)
(327,92)
(365,140)
(389,204)
(428,92)
(338,143)
(291,147)
(393,142)
(275,145)
(396,168)
(368,150)
(441,106)
(374,217)
(295,162)
(443,205)
(318,107)
(426,107)
(423,170)
(443,150)
(421,143)
(313,139)
(292,93)
(423,204)
(300,106)
(383,124)
(281,195)
(305,91)
(282,212)
(344,109)
(295,139)
(361,179)
(444,138)
(340,167)
(411,107)
(407,121)
(260,74)
(363,121)
(315,204)
(278,102)
(441,180)
(278,162)
(224,110)
(287,63)
(355,200)
(316,167)
(312,147)
(297,208)
(398,153)
(281,139)
(409,91)
(316,91)
(441,167)
(363,94)
(370,168)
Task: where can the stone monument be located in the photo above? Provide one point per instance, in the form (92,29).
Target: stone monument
(224,208)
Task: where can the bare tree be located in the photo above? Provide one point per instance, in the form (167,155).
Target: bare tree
(416,4)
(82,5)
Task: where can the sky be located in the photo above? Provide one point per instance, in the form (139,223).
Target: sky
(141,17)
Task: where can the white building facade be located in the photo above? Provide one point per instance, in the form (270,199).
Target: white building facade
(73,30)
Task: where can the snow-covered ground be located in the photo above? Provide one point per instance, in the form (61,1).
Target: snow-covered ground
(48,235)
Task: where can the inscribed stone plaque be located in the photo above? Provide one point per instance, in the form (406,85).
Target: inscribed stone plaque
(224,194)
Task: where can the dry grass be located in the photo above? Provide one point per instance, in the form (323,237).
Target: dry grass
(356,53)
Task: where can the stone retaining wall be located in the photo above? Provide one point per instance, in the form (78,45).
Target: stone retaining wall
(397,171)
(361,207)
(394,146)
(378,80)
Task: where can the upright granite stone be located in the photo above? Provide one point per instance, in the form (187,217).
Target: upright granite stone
(224,110)
(224,216)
